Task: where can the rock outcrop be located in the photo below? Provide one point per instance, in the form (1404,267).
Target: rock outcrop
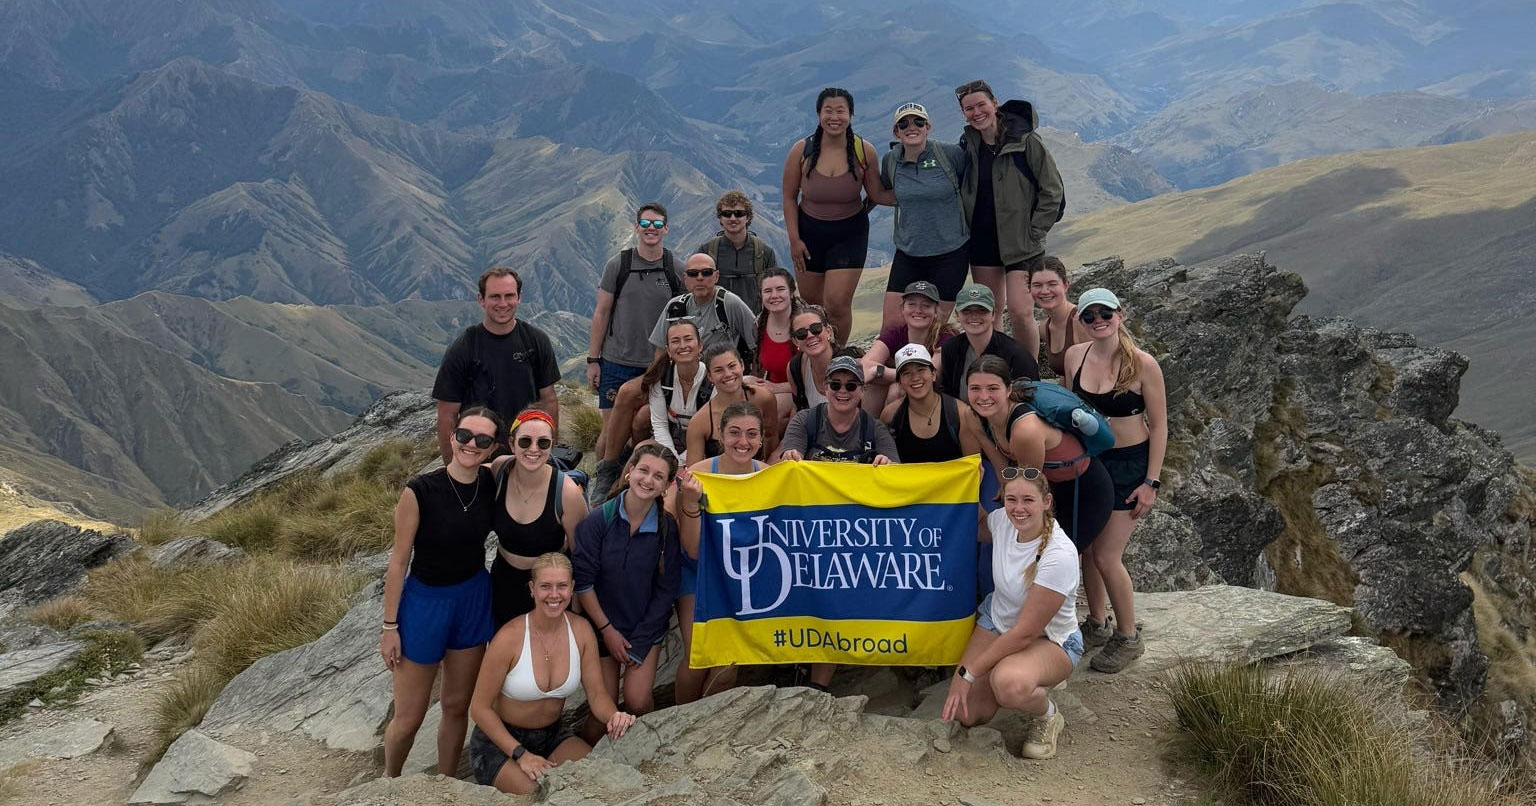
(1319,458)
(69,740)
(195,769)
(43,559)
(194,550)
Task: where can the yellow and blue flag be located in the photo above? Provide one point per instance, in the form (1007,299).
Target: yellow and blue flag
(822,562)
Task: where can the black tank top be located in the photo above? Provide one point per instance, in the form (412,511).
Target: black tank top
(943,446)
(455,519)
(544,534)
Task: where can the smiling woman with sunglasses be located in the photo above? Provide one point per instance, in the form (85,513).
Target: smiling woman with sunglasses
(931,232)
(537,511)
(816,341)
(440,614)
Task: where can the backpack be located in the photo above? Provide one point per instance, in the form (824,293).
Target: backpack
(677,308)
(814,451)
(627,259)
(1022,163)
(1062,408)
(560,473)
(759,253)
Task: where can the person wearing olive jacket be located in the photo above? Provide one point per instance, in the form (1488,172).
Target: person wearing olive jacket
(1012,195)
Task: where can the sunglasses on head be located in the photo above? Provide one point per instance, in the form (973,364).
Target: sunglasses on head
(464,435)
(734,214)
(1101,314)
(972,86)
(838,386)
(907,123)
(809,330)
(699,272)
(1026,473)
(651,223)
(527,442)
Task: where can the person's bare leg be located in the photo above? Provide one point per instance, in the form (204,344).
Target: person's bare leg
(413,694)
(1022,681)
(991,277)
(1021,309)
(1108,550)
(460,668)
(591,729)
(890,310)
(640,684)
(821,674)
(616,429)
(811,285)
(839,287)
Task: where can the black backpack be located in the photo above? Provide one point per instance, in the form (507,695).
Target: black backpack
(677,308)
(627,259)
(814,450)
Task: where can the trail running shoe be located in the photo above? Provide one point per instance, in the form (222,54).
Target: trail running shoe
(1043,730)
(1097,633)
(1118,653)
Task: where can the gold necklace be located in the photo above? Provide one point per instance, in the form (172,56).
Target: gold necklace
(931,412)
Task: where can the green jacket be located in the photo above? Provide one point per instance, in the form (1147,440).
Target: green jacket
(1025,212)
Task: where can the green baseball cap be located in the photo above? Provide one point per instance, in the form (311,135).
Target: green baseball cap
(976,295)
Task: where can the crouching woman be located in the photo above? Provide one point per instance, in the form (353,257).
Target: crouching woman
(1026,638)
(533,664)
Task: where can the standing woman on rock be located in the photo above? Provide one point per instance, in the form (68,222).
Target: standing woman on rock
(532,665)
(1014,195)
(930,230)
(441,613)
(1128,389)
(742,429)
(1048,285)
(537,511)
(1026,638)
(726,374)
(775,347)
(1015,435)
(628,569)
(826,182)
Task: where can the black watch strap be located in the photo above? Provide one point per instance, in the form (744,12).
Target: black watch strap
(517,752)
(1154,484)
(594,360)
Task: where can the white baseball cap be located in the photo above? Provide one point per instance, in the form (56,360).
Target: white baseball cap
(911,353)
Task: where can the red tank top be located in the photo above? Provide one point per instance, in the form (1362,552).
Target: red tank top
(1066,450)
(775,356)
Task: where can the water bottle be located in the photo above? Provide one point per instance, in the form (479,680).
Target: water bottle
(1085,423)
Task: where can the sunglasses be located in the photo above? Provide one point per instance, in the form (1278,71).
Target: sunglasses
(651,223)
(464,435)
(699,272)
(838,386)
(973,86)
(907,123)
(734,214)
(1102,314)
(1026,473)
(527,442)
(811,330)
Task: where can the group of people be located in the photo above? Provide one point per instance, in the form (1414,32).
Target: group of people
(724,362)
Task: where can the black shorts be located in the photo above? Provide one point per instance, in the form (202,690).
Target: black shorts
(984,251)
(1083,504)
(841,244)
(1127,470)
(486,758)
(946,271)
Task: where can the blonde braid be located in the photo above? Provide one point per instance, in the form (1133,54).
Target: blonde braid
(1045,542)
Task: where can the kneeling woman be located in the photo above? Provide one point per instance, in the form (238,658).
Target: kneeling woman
(628,569)
(532,665)
(1026,638)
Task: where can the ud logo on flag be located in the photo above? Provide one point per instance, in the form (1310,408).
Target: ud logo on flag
(837,563)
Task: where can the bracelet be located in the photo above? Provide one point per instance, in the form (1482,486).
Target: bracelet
(389,626)
(605,626)
(594,360)
(693,514)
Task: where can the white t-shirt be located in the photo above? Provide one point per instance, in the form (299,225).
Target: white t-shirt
(1058,571)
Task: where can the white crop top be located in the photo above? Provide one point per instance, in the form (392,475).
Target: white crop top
(520,684)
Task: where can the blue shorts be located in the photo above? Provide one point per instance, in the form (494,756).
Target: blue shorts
(690,583)
(436,618)
(610,377)
(1073,646)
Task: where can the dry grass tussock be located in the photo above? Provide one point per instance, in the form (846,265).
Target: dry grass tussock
(583,424)
(1306,741)
(62,614)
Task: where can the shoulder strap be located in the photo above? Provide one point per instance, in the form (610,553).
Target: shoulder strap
(943,160)
(670,272)
(557,481)
(888,168)
(858,150)
(813,427)
(867,435)
(713,249)
(759,256)
(626,259)
(951,416)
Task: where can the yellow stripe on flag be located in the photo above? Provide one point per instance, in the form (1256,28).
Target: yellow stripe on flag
(827,483)
(724,641)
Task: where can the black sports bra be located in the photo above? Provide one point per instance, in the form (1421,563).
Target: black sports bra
(1111,403)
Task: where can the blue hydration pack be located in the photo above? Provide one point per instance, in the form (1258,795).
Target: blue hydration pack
(1062,408)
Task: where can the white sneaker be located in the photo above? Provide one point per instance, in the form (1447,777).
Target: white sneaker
(1041,741)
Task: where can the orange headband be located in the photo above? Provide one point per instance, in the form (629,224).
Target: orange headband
(532,414)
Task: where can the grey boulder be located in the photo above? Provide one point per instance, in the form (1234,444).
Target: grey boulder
(194,550)
(196,769)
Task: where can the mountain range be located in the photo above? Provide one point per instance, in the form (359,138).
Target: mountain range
(287,201)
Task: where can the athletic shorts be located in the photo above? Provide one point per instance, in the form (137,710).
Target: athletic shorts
(1083,504)
(946,271)
(1127,470)
(983,251)
(436,618)
(487,759)
(841,244)
(610,377)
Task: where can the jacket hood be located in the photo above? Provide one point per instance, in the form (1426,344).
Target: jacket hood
(1020,116)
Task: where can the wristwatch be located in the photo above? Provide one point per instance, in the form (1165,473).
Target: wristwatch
(964,675)
(1153,483)
(517,752)
(594,360)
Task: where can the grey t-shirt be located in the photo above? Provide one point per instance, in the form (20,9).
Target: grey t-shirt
(851,441)
(737,273)
(643,299)
(739,321)
(930,219)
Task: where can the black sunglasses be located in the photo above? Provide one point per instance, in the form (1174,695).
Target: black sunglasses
(809,330)
(1026,473)
(527,442)
(838,386)
(464,435)
(1103,314)
(699,272)
(734,214)
(907,123)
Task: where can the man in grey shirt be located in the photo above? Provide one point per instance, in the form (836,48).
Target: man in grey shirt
(739,255)
(705,303)
(840,430)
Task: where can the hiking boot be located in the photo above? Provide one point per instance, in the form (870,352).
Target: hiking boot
(1097,633)
(603,478)
(1118,653)
(1043,730)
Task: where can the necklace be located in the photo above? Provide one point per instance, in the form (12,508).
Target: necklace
(543,645)
(931,412)
(529,497)
(455,487)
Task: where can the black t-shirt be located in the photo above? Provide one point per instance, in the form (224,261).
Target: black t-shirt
(503,373)
(955,361)
(455,520)
(984,214)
